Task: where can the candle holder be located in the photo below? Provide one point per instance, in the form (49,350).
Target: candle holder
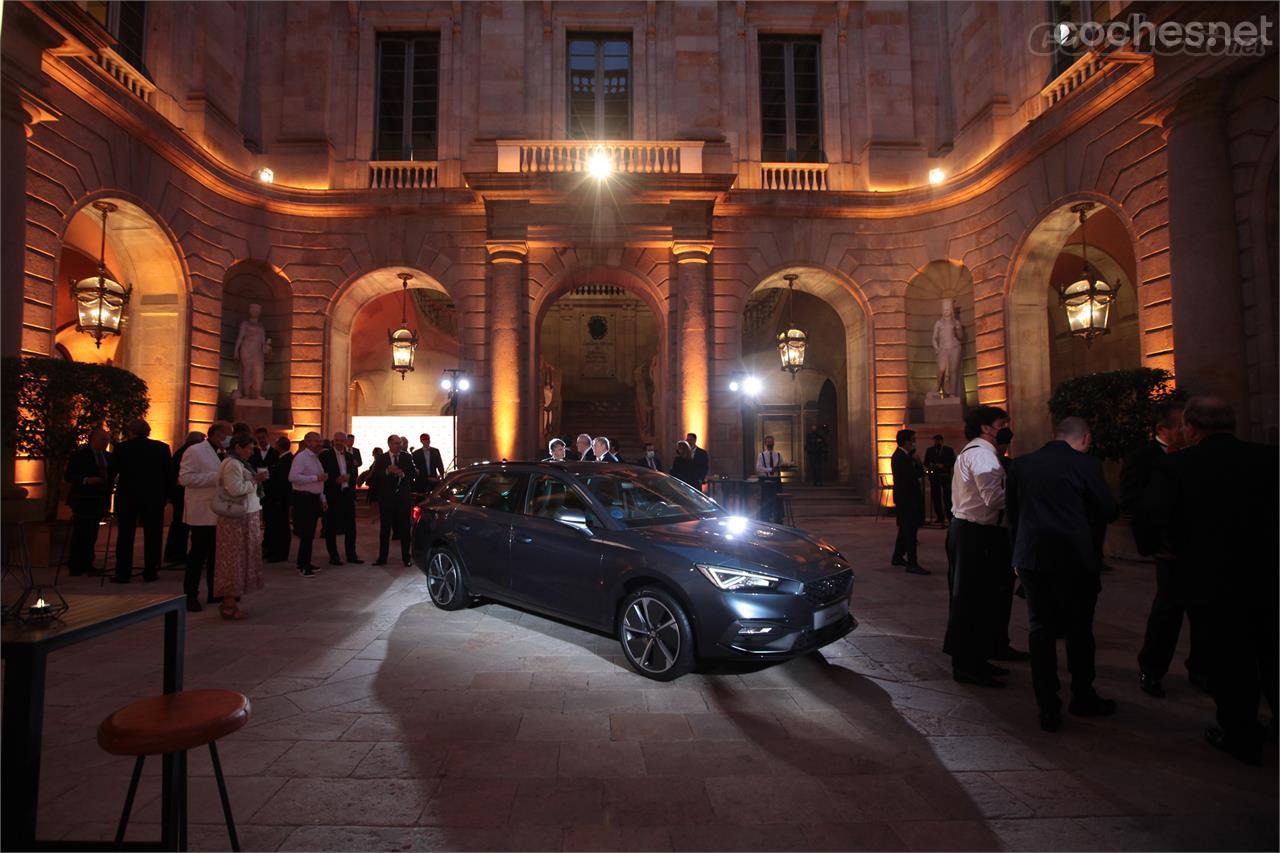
(38,604)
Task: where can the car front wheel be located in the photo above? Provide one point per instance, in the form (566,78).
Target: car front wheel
(445,583)
(656,635)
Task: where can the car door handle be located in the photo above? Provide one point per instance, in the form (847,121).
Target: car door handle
(524,540)
(465,528)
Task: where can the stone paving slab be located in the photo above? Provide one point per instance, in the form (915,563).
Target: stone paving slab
(381,723)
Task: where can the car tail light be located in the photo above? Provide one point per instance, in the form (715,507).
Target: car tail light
(417,514)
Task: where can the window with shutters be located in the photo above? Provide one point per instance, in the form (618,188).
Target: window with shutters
(791,100)
(408,101)
(599,86)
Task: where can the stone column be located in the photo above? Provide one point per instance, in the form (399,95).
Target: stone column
(693,318)
(1208,320)
(507,276)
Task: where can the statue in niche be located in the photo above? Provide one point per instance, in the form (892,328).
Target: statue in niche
(252,348)
(948,338)
(548,407)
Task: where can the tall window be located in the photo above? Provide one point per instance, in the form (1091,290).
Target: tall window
(599,86)
(1064,14)
(408,96)
(790,99)
(127,21)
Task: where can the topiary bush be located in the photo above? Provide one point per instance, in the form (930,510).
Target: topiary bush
(48,406)
(1119,406)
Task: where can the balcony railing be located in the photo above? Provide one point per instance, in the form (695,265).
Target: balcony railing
(795,177)
(404,174)
(1081,72)
(126,75)
(537,156)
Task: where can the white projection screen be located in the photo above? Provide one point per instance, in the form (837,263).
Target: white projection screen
(372,431)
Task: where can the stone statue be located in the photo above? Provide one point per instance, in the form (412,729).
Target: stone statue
(948,338)
(548,409)
(252,348)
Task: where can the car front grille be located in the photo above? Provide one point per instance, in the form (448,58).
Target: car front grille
(830,589)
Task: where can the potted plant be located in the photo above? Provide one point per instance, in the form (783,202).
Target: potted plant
(1119,406)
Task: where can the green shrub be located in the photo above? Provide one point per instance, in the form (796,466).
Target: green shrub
(1119,406)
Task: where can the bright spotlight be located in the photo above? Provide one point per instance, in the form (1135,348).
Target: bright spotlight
(937,176)
(464,384)
(752,385)
(736,525)
(599,166)
(733,386)
(265,175)
(446,384)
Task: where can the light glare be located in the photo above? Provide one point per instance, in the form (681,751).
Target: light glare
(936,176)
(599,166)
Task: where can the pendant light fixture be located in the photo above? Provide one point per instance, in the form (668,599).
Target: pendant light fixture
(404,341)
(100,300)
(1088,299)
(792,341)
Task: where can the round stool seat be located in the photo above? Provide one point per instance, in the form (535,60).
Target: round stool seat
(173,722)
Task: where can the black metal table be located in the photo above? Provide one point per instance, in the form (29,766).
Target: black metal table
(26,650)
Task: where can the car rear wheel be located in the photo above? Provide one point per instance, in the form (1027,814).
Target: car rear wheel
(445,583)
(656,636)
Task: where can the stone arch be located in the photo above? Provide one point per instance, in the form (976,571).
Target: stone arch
(154,344)
(1029,297)
(352,297)
(857,429)
(634,283)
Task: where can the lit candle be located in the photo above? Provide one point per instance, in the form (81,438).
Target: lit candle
(40,610)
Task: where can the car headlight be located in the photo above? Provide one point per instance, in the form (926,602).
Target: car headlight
(735,579)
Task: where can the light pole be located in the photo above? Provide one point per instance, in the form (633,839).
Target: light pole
(454,380)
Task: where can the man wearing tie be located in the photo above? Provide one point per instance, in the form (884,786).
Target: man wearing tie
(340,493)
(140,467)
(393,474)
(429,464)
(275,506)
(768,464)
(650,459)
(938,462)
(264,455)
(88,472)
(701,461)
(308,477)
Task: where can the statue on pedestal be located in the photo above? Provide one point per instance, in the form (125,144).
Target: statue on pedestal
(948,338)
(252,348)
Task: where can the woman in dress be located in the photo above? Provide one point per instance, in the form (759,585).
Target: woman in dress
(682,466)
(238,551)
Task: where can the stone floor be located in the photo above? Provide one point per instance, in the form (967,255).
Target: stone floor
(381,723)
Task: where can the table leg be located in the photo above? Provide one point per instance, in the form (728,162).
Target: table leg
(21,733)
(173,767)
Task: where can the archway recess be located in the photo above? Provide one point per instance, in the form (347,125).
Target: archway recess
(832,306)
(153,343)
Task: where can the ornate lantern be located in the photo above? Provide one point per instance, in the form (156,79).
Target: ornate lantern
(100,301)
(792,341)
(1088,299)
(404,341)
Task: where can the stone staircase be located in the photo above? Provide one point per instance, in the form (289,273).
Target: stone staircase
(811,504)
(615,419)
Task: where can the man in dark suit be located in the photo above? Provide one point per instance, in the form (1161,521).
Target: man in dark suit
(582,450)
(340,494)
(394,474)
(140,467)
(908,502)
(89,473)
(815,453)
(1056,496)
(1171,599)
(175,544)
(429,464)
(264,455)
(354,451)
(1216,502)
(650,459)
(938,462)
(701,461)
(275,506)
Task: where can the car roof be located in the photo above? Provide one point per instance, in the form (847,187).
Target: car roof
(563,467)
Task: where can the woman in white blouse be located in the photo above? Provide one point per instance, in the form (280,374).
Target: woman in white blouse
(238,554)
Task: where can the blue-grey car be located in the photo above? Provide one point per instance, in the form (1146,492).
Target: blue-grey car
(635,553)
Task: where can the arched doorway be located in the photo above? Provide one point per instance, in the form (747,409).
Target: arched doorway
(833,389)
(1040,350)
(153,343)
(600,365)
(360,381)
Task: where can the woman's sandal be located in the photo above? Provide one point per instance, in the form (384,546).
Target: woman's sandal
(233,613)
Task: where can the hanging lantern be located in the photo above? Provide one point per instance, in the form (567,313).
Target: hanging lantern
(100,300)
(404,341)
(1088,299)
(792,341)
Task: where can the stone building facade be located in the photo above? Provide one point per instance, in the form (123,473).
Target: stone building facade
(700,220)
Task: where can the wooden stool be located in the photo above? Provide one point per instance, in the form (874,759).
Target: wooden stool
(173,723)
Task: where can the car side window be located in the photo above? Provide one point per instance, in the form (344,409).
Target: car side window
(455,490)
(551,497)
(502,491)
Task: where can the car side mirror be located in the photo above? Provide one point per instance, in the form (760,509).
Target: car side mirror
(573,518)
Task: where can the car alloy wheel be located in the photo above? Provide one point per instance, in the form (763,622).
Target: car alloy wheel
(655,635)
(444,581)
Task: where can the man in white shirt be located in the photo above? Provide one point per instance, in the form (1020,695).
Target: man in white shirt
(198,476)
(307,476)
(978,553)
(768,465)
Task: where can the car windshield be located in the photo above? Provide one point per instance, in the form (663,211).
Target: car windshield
(638,497)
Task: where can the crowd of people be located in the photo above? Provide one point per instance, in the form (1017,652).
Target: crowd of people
(691,463)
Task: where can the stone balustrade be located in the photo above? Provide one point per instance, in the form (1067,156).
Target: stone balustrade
(404,174)
(537,156)
(126,75)
(1080,72)
(795,177)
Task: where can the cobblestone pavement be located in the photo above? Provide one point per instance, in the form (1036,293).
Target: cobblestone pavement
(381,723)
